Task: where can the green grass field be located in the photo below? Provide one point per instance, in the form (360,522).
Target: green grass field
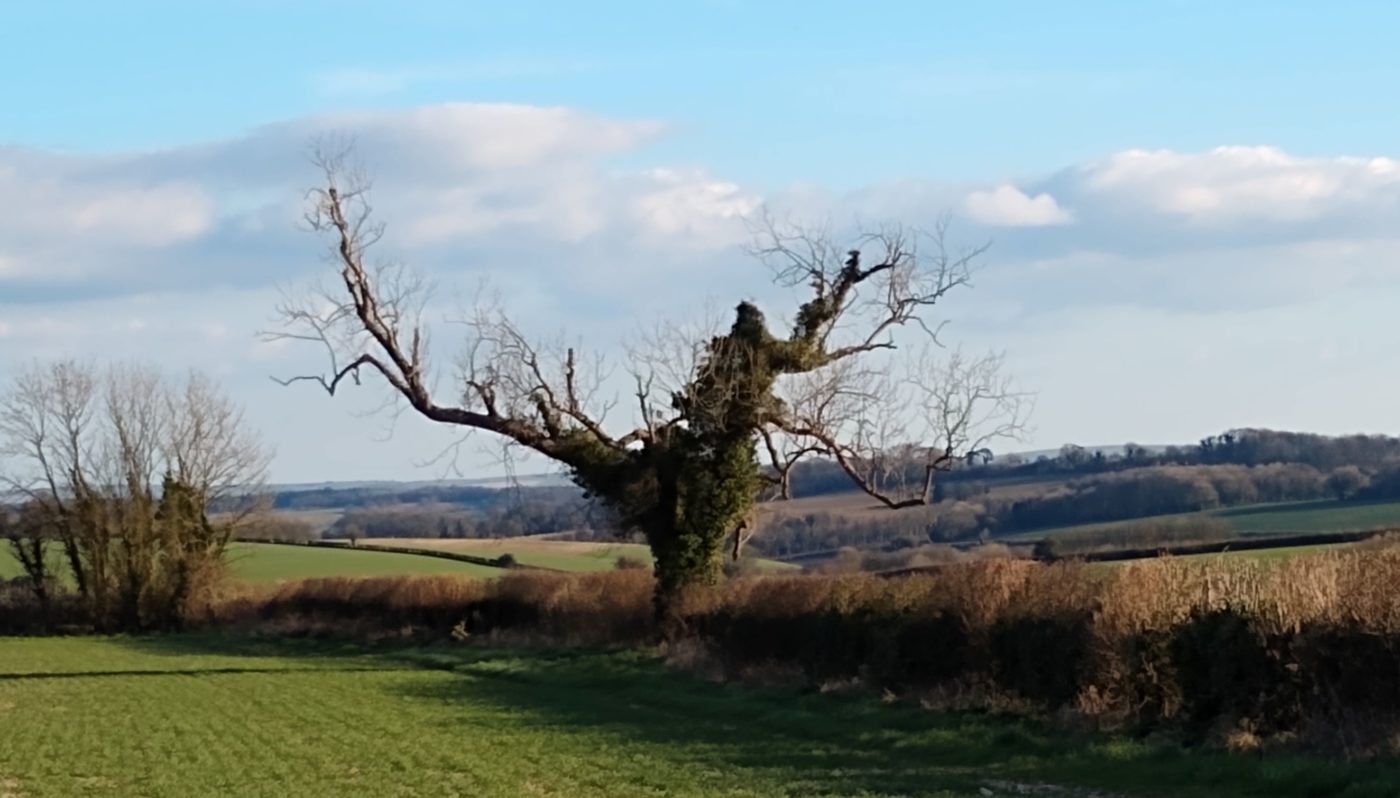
(560,555)
(184,717)
(255,562)
(263,562)
(1269,519)
(1319,516)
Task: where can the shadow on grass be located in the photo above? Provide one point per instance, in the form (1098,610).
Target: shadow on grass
(811,742)
(814,744)
(99,674)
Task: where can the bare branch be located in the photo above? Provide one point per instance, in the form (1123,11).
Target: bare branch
(539,397)
(891,432)
(890,280)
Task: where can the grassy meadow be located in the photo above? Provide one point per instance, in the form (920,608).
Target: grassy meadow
(265,562)
(1318,516)
(559,555)
(1311,517)
(175,717)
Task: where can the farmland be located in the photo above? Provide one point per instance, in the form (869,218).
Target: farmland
(1314,517)
(263,562)
(260,562)
(559,555)
(196,716)
(1319,516)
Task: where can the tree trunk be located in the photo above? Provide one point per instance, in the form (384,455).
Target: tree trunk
(682,562)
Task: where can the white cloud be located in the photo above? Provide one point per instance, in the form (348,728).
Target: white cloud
(55,213)
(155,216)
(492,177)
(692,205)
(1008,206)
(1235,184)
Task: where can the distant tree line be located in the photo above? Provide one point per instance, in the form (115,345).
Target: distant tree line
(811,533)
(1234,468)
(278,528)
(1138,493)
(541,513)
(1247,447)
(1101,498)
(382,496)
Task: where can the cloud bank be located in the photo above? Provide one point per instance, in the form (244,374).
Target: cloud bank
(176,255)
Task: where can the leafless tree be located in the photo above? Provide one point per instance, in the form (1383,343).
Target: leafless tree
(683,461)
(119,467)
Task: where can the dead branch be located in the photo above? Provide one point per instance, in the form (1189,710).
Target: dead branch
(538,397)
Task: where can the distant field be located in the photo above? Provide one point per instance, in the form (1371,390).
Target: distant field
(1268,519)
(265,562)
(190,717)
(320,520)
(1319,516)
(560,555)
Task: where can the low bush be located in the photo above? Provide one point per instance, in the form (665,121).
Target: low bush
(22,613)
(585,609)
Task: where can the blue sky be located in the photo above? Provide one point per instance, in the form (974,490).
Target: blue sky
(1191,204)
(770,92)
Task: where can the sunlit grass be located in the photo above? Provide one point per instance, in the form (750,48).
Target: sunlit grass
(169,717)
(265,562)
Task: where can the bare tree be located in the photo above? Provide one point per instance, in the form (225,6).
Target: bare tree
(119,468)
(685,469)
(45,420)
(30,535)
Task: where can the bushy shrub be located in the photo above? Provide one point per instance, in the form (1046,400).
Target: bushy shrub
(609,607)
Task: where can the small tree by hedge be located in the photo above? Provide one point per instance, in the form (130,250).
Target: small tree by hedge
(118,468)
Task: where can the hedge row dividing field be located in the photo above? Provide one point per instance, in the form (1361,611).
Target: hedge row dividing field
(177,717)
